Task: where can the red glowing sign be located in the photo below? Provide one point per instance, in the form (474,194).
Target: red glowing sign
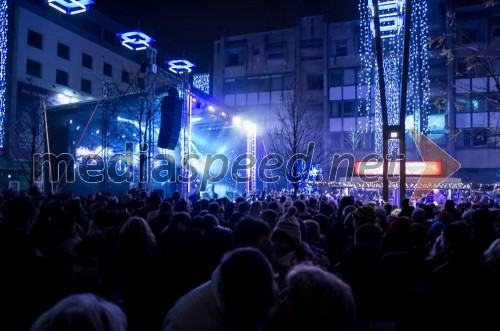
(413,168)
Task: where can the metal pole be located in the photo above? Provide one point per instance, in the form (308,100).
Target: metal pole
(402,103)
(383,102)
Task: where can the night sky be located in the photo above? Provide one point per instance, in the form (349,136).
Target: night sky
(189,28)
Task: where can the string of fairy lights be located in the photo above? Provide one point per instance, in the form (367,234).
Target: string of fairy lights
(391,14)
(3,65)
(394,185)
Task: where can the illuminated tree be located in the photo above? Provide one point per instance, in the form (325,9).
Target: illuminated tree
(476,81)
(292,133)
(391,22)
(3,64)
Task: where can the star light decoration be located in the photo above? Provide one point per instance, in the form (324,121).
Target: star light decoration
(391,14)
(179,66)
(135,40)
(70,7)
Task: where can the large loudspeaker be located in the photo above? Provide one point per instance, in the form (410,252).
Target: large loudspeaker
(171,116)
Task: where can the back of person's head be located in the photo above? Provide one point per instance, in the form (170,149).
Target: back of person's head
(101,218)
(312,203)
(249,231)
(82,312)
(135,231)
(154,199)
(256,207)
(320,300)
(204,203)
(405,203)
(323,222)
(246,285)
(368,234)
(300,205)
(97,246)
(482,219)
(214,208)
(388,207)
(20,212)
(274,206)
(181,205)
(313,231)
(210,220)
(270,216)
(63,222)
(176,195)
(429,210)
(449,204)
(457,240)
(418,215)
(244,207)
(165,207)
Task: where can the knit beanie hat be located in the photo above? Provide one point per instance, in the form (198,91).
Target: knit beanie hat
(289,226)
(365,214)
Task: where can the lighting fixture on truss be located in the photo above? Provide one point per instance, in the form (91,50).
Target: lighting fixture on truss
(135,40)
(178,66)
(70,7)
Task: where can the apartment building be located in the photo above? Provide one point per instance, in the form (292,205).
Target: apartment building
(322,61)
(57,59)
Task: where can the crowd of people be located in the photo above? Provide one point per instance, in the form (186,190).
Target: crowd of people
(144,262)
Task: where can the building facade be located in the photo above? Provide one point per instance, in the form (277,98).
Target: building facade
(56,59)
(322,60)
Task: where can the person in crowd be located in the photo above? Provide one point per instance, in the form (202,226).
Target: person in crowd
(84,311)
(239,296)
(406,208)
(252,232)
(465,289)
(314,300)
(439,198)
(136,271)
(288,248)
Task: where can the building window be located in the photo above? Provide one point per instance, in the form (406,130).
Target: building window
(62,77)
(277,83)
(107,69)
(235,53)
(264,84)
(229,86)
(336,77)
(252,85)
(343,109)
(86,86)
(35,39)
(349,77)
(341,47)
(86,61)
(33,68)
(315,82)
(125,76)
(63,51)
(335,109)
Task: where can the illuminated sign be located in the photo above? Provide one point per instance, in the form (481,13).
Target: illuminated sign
(135,40)
(413,168)
(70,7)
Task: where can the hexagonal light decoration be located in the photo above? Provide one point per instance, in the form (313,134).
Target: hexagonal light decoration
(70,7)
(178,66)
(135,40)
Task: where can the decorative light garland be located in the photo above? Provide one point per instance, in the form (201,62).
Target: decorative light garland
(392,46)
(202,82)
(378,185)
(3,65)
